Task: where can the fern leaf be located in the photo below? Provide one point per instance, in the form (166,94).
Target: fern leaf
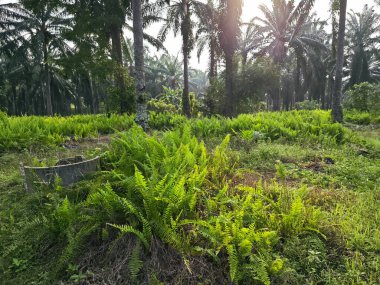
(233,262)
(135,264)
(129,229)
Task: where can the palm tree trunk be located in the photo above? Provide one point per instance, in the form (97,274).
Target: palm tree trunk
(337,106)
(276,98)
(186,53)
(142,116)
(92,94)
(298,80)
(117,56)
(49,103)
(212,72)
(230,99)
(14,99)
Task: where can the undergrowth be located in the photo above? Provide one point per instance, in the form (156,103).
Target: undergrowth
(285,198)
(17,133)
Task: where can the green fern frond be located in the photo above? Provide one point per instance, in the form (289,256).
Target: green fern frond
(140,179)
(125,229)
(233,262)
(135,263)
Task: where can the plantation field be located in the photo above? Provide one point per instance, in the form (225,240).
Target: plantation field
(271,198)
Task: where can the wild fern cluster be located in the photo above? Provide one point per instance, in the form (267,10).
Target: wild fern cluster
(17,133)
(169,187)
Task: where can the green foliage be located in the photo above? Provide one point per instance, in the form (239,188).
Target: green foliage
(293,126)
(358,118)
(363,97)
(308,105)
(255,80)
(169,100)
(213,102)
(18,133)
(158,201)
(117,96)
(272,198)
(135,263)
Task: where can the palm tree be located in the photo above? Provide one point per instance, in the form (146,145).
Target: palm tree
(179,19)
(40,31)
(198,81)
(165,70)
(251,40)
(114,24)
(362,38)
(229,30)
(142,116)
(207,36)
(104,22)
(337,109)
(334,10)
(286,26)
(311,61)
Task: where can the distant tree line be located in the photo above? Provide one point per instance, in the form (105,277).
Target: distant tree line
(64,57)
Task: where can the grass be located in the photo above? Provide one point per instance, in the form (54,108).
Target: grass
(277,198)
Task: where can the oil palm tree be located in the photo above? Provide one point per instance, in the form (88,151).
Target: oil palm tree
(362,40)
(311,59)
(40,32)
(105,21)
(142,116)
(337,109)
(284,24)
(286,27)
(207,36)
(251,40)
(165,70)
(229,31)
(179,19)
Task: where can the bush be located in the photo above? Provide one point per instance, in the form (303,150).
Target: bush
(115,94)
(358,118)
(308,105)
(213,102)
(364,97)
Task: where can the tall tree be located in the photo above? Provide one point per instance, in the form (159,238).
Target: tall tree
(337,109)
(229,31)
(179,19)
(334,10)
(165,70)
(115,15)
(41,30)
(362,38)
(285,26)
(251,40)
(142,116)
(207,36)
(104,22)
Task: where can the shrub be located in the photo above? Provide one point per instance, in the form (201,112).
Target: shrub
(358,118)
(308,105)
(364,97)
